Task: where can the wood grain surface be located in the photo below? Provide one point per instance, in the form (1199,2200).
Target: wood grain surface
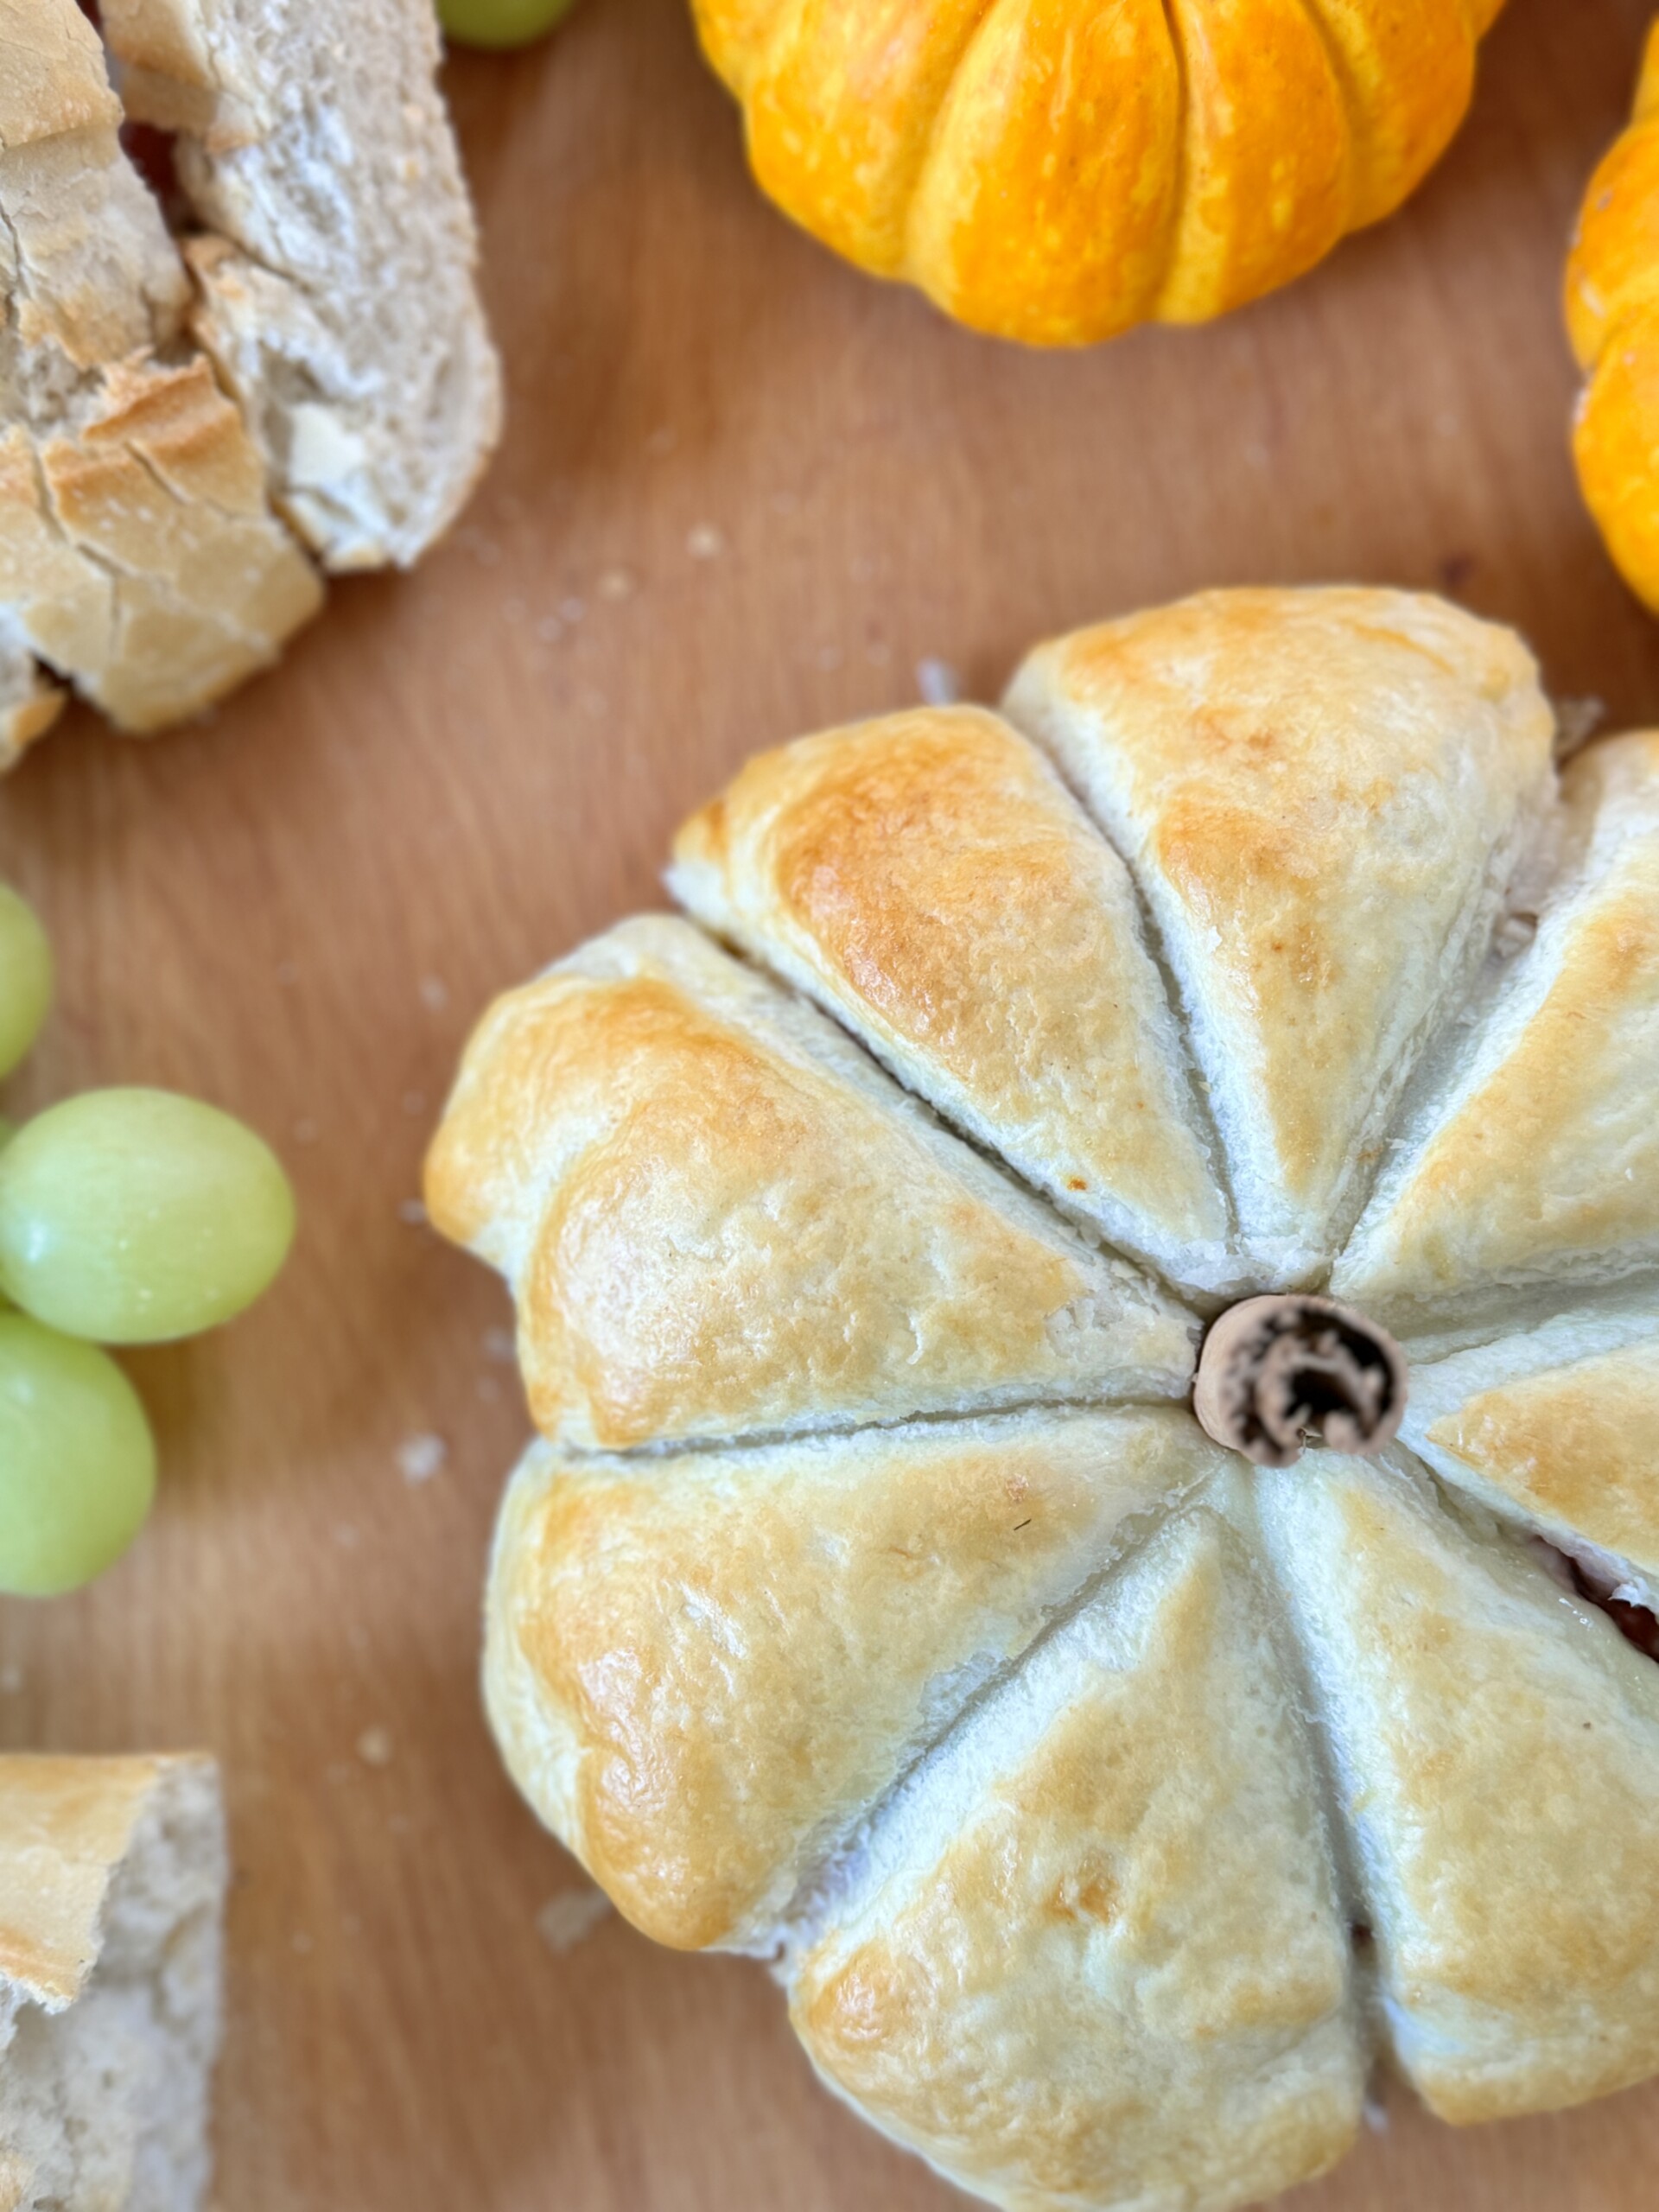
(744,491)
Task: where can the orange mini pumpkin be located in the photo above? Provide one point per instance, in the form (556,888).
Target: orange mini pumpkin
(1613,317)
(1057,170)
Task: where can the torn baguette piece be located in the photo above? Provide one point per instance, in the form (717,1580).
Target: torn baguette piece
(163,469)
(335,296)
(140,561)
(87,269)
(112,1878)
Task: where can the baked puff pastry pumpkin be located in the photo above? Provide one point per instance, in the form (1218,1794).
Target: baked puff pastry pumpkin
(1114,1787)
(1612,318)
(1057,170)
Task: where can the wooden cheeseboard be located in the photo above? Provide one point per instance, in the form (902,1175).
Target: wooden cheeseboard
(744,492)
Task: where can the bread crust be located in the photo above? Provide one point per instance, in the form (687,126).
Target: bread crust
(143,466)
(112,1875)
(1086,1984)
(1107,1829)
(64,1826)
(705,1669)
(1324,796)
(846,1261)
(138,553)
(337,303)
(1541,1167)
(1519,1955)
(1558,1426)
(927,878)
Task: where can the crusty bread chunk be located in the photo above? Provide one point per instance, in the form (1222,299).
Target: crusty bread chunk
(138,553)
(336,297)
(172,439)
(88,271)
(112,1875)
(139,556)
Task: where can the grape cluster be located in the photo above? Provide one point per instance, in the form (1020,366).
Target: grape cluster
(127,1216)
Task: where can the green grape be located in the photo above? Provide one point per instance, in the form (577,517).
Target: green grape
(77,1460)
(25,978)
(499,22)
(131,1216)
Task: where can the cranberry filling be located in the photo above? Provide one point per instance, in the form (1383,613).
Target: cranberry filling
(1637,1624)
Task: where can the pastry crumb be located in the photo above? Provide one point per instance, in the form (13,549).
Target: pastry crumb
(569,1918)
(374,1746)
(420,1458)
(937,682)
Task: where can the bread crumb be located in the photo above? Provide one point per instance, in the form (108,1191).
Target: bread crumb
(1376,2115)
(500,1345)
(617,583)
(1576,723)
(420,1458)
(435,993)
(374,1746)
(569,1918)
(705,542)
(572,609)
(937,682)
(413,1210)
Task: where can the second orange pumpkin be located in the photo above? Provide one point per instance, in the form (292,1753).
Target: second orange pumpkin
(1612,315)
(1058,170)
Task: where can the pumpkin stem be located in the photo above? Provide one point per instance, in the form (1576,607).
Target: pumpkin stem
(1275,1369)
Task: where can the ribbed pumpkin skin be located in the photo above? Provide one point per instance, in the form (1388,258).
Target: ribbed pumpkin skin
(1058,170)
(1613,317)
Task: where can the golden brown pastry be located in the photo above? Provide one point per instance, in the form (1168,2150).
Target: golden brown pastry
(862,1584)
(1537,1163)
(1325,796)
(720,1219)
(1110,1799)
(1069,1970)
(929,879)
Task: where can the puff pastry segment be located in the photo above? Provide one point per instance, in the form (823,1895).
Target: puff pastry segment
(1497,1747)
(1540,1166)
(1560,1427)
(720,1218)
(1071,1976)
(1325,796)
(705,1669)
(927,879)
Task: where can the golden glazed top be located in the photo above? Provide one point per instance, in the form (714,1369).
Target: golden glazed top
(875,1592)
